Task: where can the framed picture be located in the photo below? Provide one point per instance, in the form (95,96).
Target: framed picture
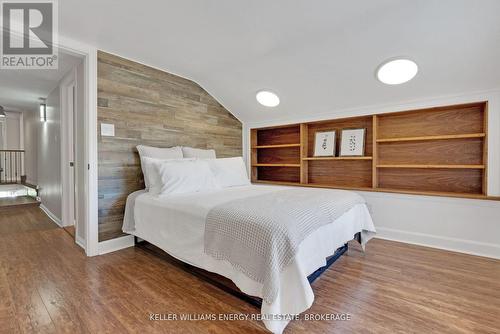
(324,144)
(352,142)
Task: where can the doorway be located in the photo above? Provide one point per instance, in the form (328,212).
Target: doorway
(86,127)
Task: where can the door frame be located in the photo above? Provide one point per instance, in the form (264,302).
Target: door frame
(91,239)
(89,53)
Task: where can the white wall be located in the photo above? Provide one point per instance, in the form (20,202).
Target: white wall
(12,124)
(49,156)
(31,125)
(464,225)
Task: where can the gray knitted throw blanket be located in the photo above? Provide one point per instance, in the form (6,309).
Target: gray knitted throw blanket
(260,235)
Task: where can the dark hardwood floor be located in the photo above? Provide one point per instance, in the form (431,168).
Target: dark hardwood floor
(48,285)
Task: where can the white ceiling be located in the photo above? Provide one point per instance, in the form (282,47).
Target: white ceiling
(20,90)
(319,56)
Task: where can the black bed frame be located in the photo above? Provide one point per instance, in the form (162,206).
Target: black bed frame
(225,284)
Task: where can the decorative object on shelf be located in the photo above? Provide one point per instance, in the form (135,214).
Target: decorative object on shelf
(324,144)
(352,142)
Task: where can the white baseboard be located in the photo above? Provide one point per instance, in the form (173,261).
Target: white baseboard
(52,216)
(116,244)
(446,243)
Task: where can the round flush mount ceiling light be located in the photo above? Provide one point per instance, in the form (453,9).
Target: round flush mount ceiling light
(267,98)
(397,71)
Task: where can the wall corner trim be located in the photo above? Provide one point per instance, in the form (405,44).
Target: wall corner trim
(116,244)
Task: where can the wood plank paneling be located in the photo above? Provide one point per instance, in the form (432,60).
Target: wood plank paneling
(150,107)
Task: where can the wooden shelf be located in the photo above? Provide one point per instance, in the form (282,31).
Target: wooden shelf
(338,158)
(441,137)
(434,166)
(313,185)
(277,146)
(331,186)
(276,165)
(386,190)
(281,183)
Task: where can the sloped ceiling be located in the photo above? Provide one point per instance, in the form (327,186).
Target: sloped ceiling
(319,56)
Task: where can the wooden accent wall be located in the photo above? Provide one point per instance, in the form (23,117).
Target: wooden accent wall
(151,107)
(438,151)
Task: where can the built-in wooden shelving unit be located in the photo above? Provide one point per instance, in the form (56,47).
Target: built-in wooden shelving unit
(438,151)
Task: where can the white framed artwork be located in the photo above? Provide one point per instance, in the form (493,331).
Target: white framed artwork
(352,142)
(324,144)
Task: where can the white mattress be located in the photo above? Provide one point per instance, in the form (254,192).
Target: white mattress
(176,224)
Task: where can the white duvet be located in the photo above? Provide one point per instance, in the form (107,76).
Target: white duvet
(176,224)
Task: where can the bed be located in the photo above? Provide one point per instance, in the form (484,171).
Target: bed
(176,224)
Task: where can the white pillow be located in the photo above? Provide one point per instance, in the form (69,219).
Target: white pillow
(160,152)
(229,172)
(151,173)
(181,177)
(190,152)
(157,153)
